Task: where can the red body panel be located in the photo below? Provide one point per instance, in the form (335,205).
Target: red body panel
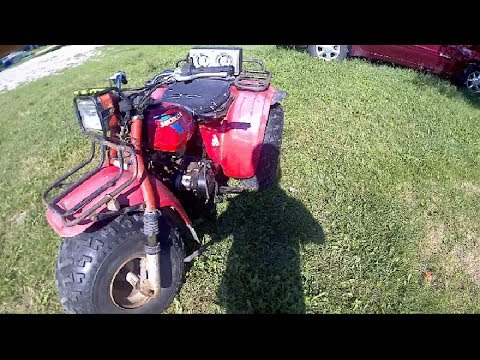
(131,196)
(168,129)
(447,60)
(231,142)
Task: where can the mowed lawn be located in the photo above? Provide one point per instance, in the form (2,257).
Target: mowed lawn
(377,209)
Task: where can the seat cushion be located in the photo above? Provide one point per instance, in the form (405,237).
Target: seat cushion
(201,96)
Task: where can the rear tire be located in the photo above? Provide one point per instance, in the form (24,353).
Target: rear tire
(267,171)
(88,262)
(329,52)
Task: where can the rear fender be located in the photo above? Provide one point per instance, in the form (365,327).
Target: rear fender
(130,196)
(231,142)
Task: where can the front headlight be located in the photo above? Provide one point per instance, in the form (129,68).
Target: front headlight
(89,115)
(97,111)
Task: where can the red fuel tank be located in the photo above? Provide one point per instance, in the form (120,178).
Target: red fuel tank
(168,126)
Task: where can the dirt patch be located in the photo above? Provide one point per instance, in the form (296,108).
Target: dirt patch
(406,194)
(470,187)
(409,198)
(469,257)
(19,217)
(434,239)
(44,65)
(462,258)
(27,301)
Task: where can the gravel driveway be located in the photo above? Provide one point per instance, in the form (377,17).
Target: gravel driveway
(44,65)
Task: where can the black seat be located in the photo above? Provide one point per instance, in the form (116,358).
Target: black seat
(206,98)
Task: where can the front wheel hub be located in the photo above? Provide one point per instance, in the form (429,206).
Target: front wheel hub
(126,288)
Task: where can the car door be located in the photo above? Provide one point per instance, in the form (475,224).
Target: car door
(424,57)
(433,58)
(380,52)
(438,59)
(453,58)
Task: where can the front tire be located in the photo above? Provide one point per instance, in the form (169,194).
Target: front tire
(91,267)
(328,52)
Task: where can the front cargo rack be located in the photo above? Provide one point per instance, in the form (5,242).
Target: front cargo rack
(67,215)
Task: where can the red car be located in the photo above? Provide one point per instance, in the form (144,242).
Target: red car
(460,63)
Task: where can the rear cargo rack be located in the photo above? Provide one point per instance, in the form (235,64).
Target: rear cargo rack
(253,80)
(67,216)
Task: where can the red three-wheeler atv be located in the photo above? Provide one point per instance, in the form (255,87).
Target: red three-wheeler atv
(165,148)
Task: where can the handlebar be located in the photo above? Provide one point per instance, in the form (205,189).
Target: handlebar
(179,77)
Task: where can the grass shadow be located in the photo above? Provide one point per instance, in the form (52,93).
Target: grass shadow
(444,85)
(446,88)
(263,267)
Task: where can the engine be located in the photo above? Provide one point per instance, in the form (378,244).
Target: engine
(199,178)
(186,171)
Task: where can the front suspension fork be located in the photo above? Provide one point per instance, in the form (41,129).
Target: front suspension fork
(152,250)
(151,284)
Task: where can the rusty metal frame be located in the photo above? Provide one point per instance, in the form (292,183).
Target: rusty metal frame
(253,80)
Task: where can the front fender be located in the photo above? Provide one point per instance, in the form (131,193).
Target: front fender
(130,196)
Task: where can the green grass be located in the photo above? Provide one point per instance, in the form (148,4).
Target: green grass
(380,184)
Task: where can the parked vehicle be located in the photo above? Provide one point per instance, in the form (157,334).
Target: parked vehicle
(461,63)
(12,58)
(166,150)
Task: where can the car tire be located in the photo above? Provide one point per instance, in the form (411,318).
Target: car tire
(470,78)
(329,52)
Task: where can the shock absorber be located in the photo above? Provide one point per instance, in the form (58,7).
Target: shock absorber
(150,216)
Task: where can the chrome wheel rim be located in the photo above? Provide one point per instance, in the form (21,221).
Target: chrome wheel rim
(473,81)
(327,52)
